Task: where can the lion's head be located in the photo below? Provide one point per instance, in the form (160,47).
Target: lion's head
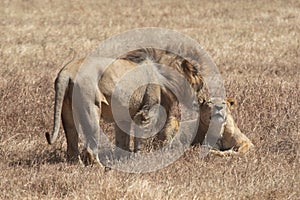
(215,108)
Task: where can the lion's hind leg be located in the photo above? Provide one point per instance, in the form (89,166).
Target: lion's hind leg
(245,146)
(87,158)
(236,144)
(238,149)
(71,132)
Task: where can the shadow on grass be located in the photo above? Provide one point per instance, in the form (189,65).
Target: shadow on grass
(46,157)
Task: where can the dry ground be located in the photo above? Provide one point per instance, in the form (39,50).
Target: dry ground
(256,45)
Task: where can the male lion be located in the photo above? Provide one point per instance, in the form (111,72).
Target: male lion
(141,103)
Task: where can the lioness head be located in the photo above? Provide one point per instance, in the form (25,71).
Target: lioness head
(215,108)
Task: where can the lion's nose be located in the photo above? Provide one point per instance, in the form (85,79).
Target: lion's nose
(219,107)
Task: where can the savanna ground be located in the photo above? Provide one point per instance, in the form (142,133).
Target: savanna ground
(255,44)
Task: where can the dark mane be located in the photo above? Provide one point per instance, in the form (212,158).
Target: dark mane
(191,70)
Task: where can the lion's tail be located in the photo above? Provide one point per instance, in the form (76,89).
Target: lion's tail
(61,84)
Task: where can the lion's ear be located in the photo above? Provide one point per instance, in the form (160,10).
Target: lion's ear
(231,101)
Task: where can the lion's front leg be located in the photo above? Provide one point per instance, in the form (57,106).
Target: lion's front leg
(122,139)
(166,135)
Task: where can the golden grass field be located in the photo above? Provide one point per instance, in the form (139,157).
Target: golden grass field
(255,44)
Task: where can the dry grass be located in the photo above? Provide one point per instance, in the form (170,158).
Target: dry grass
(255,45)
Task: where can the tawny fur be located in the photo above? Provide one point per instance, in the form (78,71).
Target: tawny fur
(141,101)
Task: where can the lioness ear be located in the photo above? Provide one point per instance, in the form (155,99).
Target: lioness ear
(231,101)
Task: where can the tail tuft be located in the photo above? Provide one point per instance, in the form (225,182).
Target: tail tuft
(48,138)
